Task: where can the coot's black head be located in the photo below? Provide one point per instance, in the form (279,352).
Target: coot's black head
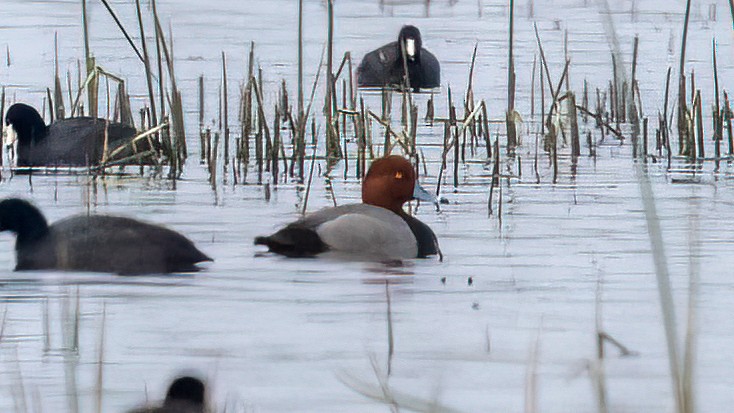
(410,38)
(27,123)
(22,218)
(186,389)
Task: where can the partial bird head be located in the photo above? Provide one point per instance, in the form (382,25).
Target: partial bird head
(410,40)
(25,123)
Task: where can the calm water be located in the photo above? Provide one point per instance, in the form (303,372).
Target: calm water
(276,335)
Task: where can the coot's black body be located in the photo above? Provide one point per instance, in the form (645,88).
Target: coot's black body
(384,67)
(185,395)
(97,243)
(76,141)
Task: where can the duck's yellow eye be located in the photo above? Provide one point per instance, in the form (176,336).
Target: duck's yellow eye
(398,175)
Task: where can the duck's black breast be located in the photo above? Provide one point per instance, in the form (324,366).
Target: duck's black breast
(424,235)
(110,244)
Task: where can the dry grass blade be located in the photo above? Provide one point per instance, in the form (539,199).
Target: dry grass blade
(663,281)
(2,324)
(395,398)
(597,365)
(390,337)
(694,267)
(531,376)
(100,362)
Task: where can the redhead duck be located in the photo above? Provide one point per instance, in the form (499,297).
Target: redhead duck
(98,243)
(185,395)
(376,228)
(69,142)
(384,66)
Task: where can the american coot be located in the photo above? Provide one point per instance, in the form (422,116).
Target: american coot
(185,395)
(69,142)
(377,228)
(384,66)
(98,243)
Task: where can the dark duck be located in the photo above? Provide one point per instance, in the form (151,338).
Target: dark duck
(98,243)
(385,67)
(78,141)
(185,395)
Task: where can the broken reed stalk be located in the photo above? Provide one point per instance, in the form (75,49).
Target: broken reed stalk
(202,134)
(601,122)
(90,63)
(213,161)
(469,99)
(644,139)
(58,93)
(531,376)
(246,109)
(532,85)
(263,128)
(700,153)
(276,147)
(665,133)
(175,102)
(598,375)
(573,116)
(301,138)
(718,115)
(456,147)
(390,334)
(495,176)
(510,114)
(544,63)
(70,347)
(310,173)
(2,124)
(328,107)
(2,323)
(100,361)
(683,126)
(300,61)
(159,65)
(122,29)
(19,391)
(225,109)
(634,116)
(614,101)
(727,115)
(485,127)
(552,138)
(146,64)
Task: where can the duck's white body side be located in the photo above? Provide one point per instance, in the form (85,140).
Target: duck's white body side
(365,230)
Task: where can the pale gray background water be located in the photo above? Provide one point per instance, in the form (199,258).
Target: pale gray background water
(275,334)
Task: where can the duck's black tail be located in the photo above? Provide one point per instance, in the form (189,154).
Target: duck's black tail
(294,241)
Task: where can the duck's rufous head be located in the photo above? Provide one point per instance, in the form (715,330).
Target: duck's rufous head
(389,183)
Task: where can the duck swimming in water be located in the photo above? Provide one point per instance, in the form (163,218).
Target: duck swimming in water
(384,67)
(185,395)
(377,228)
(98,243)
(76,141)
